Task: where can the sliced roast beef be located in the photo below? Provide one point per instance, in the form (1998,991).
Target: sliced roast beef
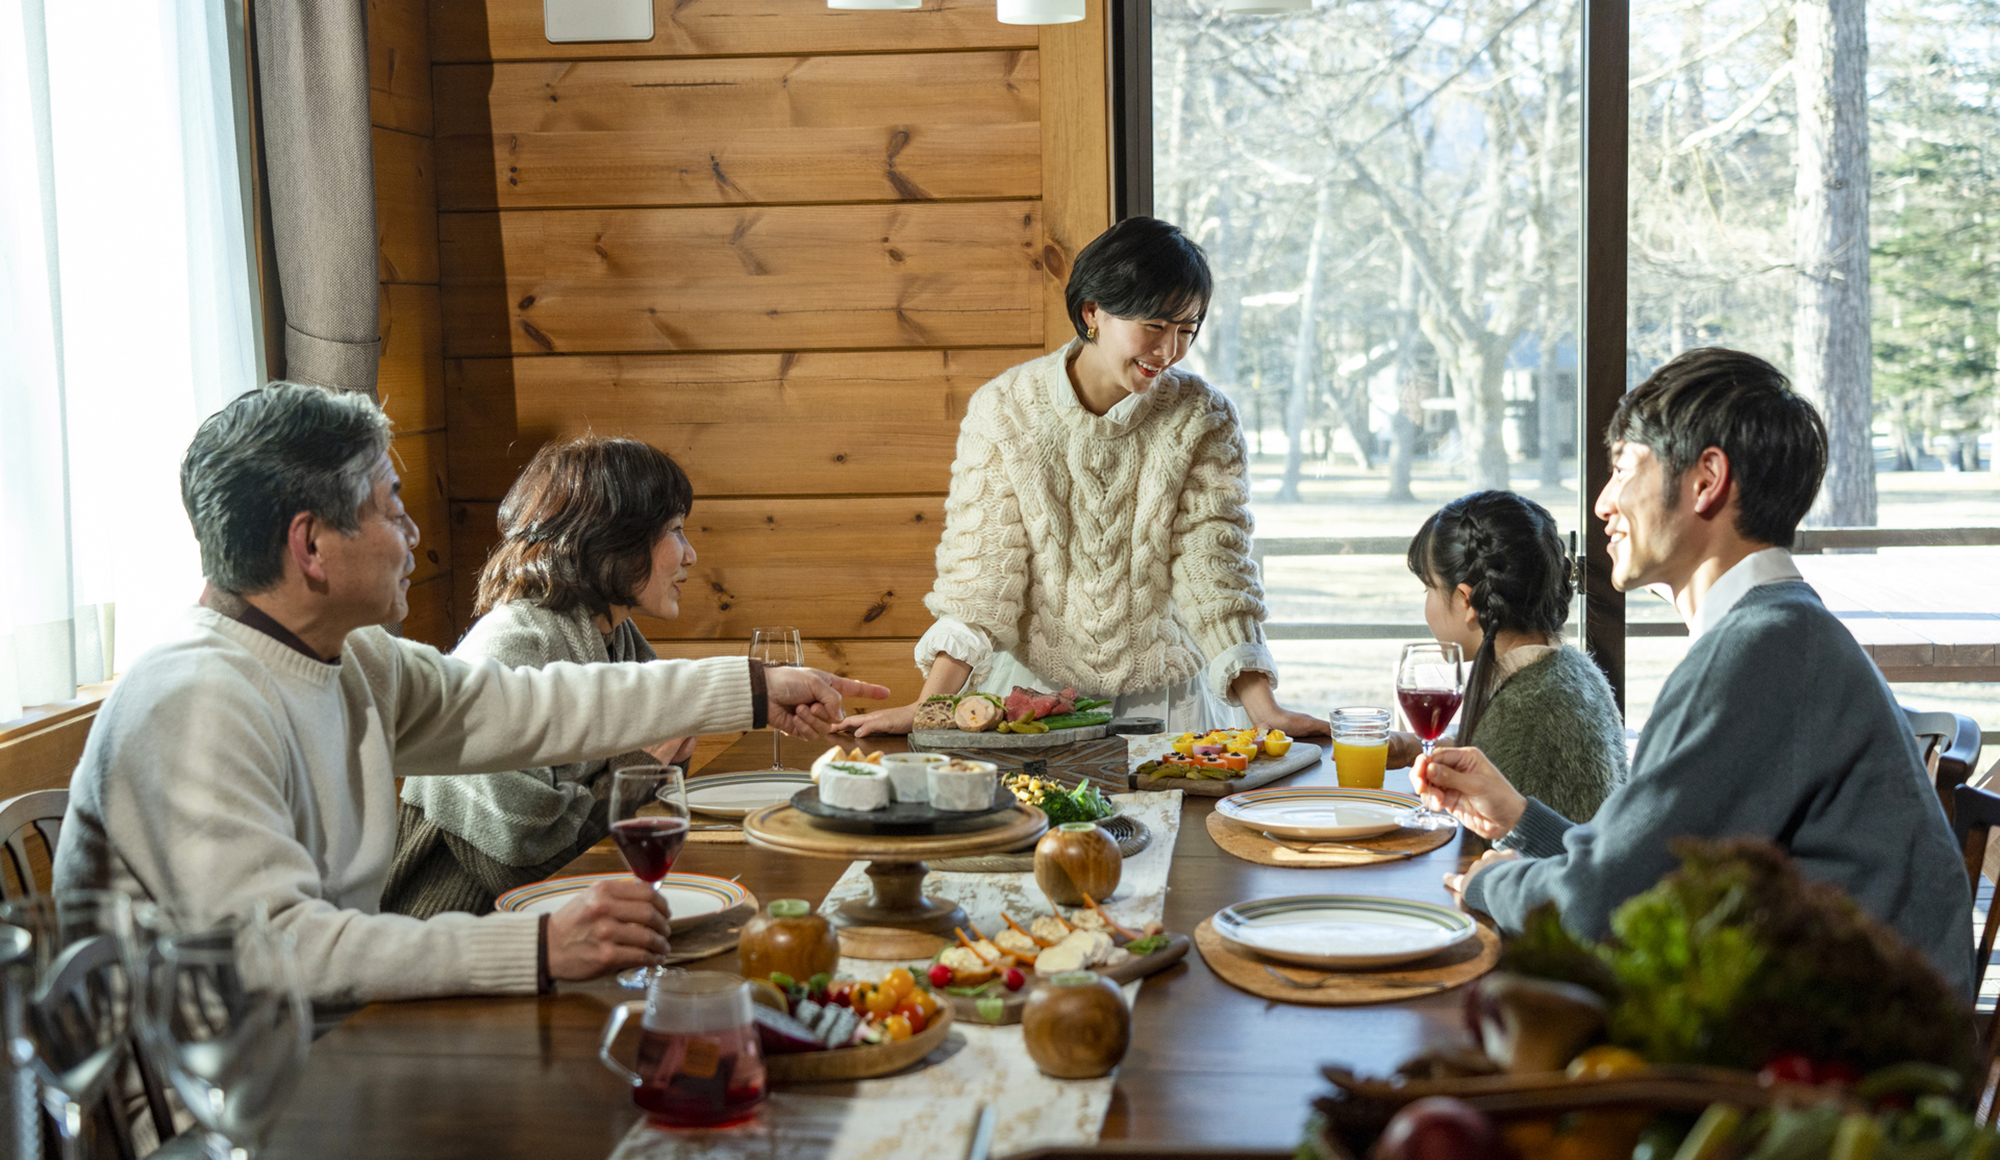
(1018,703)
(1065,702)
(1044,705)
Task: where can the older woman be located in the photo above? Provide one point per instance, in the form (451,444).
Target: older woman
(591,533)
(1096,534)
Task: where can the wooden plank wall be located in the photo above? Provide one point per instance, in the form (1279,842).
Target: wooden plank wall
(783,244)
(411,377)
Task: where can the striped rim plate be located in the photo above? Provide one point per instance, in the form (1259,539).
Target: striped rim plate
(1315,812)
(692,899)
(738,795)
(1343,930)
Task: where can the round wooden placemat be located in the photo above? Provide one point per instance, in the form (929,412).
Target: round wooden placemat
(781,827)
(1252,846)
(1131,835)
(1453,967)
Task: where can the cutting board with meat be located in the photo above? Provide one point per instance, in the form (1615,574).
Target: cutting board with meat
(1023,719)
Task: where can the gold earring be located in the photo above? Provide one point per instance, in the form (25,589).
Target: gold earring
(1091,334)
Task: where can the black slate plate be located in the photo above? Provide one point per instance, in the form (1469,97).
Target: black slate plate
(907,818)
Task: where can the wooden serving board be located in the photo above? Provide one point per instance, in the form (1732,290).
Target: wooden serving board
(1303,755)
(943,739)
(966,1007)
(857,1062)
(1105,761)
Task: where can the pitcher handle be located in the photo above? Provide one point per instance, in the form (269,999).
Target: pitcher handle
(612,1027)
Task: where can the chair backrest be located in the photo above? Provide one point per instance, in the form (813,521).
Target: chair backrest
(1950,744)
(1974,818)
(39,813)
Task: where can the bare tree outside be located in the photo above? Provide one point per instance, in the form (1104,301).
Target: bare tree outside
(1389,193)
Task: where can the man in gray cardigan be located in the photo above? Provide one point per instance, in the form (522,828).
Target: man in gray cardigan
(1775,726)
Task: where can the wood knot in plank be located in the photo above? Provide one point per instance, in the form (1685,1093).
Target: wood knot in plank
(537,337)
(876,609)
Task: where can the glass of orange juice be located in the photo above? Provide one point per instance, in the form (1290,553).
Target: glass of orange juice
(1361,746)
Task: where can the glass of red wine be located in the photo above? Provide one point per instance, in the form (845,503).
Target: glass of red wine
(649,823)
(1430,683)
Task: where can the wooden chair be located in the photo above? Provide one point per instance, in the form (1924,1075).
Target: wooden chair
(1975,815)
(1950,744)
(38,813)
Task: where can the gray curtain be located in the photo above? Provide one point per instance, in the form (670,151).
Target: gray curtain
(319,166)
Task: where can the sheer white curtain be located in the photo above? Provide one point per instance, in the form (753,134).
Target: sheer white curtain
(127,314)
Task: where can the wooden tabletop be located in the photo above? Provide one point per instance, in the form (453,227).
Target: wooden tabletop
(503,1078)
(1919,622)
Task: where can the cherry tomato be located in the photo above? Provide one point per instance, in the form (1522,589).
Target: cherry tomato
(880,1001)
(940,975)
(1791,1068)
(898,1028)
(928,1004)
(901,982)
(839,994)
(913,1011)
(858,997)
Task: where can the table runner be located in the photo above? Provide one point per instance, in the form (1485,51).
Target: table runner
(975,1067)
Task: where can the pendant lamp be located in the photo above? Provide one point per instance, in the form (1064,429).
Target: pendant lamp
(874,5)
(1265,7)
(1040,11)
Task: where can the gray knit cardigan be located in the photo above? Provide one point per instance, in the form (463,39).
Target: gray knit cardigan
(1554,730)
(461,842)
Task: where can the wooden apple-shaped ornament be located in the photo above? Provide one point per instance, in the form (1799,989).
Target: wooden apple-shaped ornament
(788,937)
(1076,1025)
(1075,859)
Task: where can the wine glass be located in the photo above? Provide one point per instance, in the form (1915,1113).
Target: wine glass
(224,1016)
(79,1008)
(778,648)
(649,823)
(1429,686)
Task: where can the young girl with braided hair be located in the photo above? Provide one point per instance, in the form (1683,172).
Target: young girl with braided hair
(1498,583)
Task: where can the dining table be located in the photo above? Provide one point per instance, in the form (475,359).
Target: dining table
(1210,1067)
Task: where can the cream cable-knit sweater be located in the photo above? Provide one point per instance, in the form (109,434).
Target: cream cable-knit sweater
(1112,556)
(227,769)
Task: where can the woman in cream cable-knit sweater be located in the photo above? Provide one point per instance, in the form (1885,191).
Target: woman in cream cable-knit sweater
(1096,535)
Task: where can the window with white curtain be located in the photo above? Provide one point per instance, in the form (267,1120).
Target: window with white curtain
(127,315)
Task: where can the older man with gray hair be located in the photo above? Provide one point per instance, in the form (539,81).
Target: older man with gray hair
(253,758)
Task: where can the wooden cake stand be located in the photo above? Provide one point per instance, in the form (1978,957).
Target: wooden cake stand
(895,863)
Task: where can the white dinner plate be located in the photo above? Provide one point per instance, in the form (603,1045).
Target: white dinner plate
(1343,930)
(738,795)
(692,899)
(1318,812)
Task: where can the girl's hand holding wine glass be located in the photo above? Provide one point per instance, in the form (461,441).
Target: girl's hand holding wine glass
(1467,786)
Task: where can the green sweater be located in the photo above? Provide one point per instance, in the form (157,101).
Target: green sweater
(1554,729)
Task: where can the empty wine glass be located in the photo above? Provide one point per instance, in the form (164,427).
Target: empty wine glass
(649,823)
(79,1002)
(778,648)
(1430,684)
(225,1018)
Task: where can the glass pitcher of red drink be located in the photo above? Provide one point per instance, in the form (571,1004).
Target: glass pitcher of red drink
(699,1063)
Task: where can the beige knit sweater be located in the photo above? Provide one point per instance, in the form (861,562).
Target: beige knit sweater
(227,769)
(1112,556)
